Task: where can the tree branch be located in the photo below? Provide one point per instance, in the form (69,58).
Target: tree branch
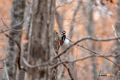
(85,38)
(80,59)
(12,26)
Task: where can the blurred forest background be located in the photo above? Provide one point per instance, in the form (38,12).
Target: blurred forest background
(79,18)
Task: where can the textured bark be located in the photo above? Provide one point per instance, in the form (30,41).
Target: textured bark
(89,27)
(41,41)
(56,40)
(17,14)
(21,73)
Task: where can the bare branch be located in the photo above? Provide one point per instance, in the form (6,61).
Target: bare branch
(12,26)
(34,66)
(80,59)
(6,72)
(4,23)
(85,38)
(98,54)
(115,33)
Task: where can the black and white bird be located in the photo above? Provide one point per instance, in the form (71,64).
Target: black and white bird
(63,37)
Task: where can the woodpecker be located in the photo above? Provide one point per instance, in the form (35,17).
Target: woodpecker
(63,37)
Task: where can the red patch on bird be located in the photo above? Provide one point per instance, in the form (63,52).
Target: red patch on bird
(60,42)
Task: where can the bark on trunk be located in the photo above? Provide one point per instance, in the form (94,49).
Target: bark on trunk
(21,73)
(41,35)
(17,15)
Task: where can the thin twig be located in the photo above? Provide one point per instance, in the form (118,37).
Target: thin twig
(35,66)
(13,26)
(6,72)
(115,33)
(99,55)
(4,23)
(98,75)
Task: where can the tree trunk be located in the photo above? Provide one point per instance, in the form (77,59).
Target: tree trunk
(40,47)
(17,15)
(27,14)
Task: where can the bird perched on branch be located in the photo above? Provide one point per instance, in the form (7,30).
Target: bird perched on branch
(63,37)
